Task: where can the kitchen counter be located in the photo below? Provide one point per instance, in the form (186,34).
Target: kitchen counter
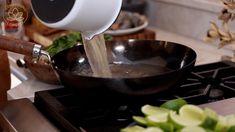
(23,83)
(25,119)
(36,122)
(226,110)
(206,53)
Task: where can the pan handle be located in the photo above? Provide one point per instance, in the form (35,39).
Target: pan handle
(20,46)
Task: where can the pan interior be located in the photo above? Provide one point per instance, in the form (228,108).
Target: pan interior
(130,59)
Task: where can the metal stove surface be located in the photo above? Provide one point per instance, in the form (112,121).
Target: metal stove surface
(100,111)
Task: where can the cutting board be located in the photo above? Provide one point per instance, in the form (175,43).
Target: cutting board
(224,107)
(47,38)
(41,38)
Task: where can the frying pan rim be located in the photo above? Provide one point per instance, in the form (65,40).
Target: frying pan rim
(127,78)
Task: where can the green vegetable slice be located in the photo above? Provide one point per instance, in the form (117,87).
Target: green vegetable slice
(211,119)
(153,110)
(167,127)
(221,126)
(230,120)
(153,129)
(174,104)
(158,118)
(189,118)
(231,129)
(133,129)
(180,121)
(140,120)
(189,115)
(192,112)
(193,129)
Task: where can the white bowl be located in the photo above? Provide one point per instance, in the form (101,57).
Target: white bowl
(91,17)
(126,31)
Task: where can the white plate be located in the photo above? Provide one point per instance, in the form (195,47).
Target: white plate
(129,30)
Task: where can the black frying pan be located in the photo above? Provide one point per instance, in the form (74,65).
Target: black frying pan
(159,65)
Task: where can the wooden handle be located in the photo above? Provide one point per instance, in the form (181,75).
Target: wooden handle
(17,46)
(5,78)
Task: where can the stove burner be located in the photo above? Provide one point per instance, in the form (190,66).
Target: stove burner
(208,82)
(94,113)
(216,93)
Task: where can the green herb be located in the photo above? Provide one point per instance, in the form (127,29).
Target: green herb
(68,41)
(64,42)
(108,37)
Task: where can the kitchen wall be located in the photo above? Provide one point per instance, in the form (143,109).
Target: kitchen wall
(190,18)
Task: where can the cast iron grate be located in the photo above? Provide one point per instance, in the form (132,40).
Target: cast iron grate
(207,83)
(101,111)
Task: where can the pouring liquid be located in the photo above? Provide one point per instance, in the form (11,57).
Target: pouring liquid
(96,53)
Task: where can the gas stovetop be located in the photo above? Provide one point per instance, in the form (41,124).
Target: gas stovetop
(101,111)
